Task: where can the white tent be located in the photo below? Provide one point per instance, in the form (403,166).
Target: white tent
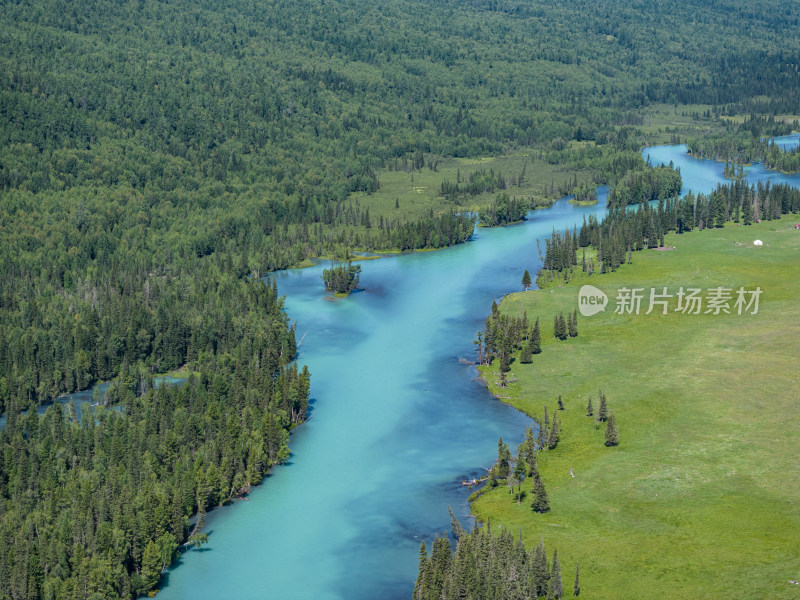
(758,243)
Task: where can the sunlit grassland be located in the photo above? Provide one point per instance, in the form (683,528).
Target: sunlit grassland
(661,122)
(419,191)
(701,499)
(788,119)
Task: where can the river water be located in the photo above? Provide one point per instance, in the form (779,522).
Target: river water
(397,419)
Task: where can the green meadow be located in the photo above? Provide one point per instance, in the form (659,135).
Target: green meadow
(701,499)
(415,192)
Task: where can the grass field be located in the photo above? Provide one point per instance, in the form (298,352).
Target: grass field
(662,122)
(701,499)
(418,191)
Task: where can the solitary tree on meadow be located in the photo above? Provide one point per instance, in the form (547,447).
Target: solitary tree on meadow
(540,502)
(526,280)
(612,438)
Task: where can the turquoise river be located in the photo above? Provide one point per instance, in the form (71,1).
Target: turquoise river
(398,419)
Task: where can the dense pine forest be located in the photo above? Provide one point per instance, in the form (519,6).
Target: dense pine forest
(158,158)
(488,566)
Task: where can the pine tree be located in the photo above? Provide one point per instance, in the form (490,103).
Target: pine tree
(540,437)
(555,577)
(455,526)
(576,590)
(602,414)
(546,430)
(573,324)
(539,573)
(151,566)
(589,408)
(536,338)
(503,460)
(518,475)
(526,280)
(560,327)
(419,587)
(552,439)
(540,502)
(525,356)
(533,465)
(560,403)
(529,449)
(612,439)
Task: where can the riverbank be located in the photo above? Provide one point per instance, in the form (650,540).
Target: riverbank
(700,496)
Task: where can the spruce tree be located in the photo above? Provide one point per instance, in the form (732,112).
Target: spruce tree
(529,448)
(503,460)
(539,573)
(439,566)
(151,566)
(552,439)
(555,577)
(419,586)
(525,356)
(540,502)
(455,526)
(536,338)
(546,430)
(612,439)
(559,327)
(526,280)
(573,324)
(576,590)
(533,464)
(602,414)
(560,403)
(589,408)
(518,475)
(540,437)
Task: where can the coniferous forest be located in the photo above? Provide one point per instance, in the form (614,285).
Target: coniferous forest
(158,158)
(622,231)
